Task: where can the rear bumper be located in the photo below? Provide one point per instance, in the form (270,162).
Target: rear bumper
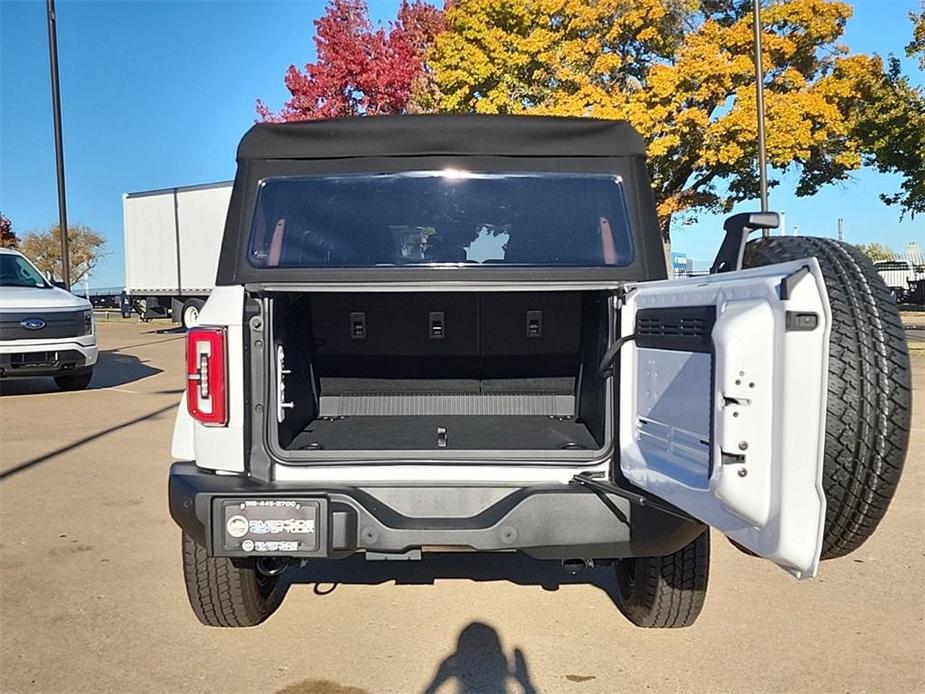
(25,358)
(547,521)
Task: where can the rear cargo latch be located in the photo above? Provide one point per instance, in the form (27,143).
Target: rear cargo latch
(534,324)
(358,326)
(437,325)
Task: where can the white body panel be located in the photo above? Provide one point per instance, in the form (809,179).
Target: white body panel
(221,448)
(183,444)
(764,401)
(435,473)
(155,223)
(25,299)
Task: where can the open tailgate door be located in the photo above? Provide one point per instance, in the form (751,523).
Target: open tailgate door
(722,403)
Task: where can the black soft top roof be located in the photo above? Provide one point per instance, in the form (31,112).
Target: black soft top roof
(443,134)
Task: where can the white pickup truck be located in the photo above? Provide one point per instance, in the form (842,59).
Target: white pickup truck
(44,330)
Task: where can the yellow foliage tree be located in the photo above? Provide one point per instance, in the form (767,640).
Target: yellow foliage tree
(681,71)
(85,249)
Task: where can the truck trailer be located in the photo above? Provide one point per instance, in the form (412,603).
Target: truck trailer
(172,241)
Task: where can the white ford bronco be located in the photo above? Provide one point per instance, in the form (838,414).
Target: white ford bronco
(44,330)
(455,333)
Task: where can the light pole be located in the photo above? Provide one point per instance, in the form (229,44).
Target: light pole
(59,144)
(759,102)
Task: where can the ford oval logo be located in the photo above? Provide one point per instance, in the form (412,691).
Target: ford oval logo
(33,324)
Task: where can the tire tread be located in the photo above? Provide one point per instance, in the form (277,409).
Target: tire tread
(224,594)
(869,406)
(669,591)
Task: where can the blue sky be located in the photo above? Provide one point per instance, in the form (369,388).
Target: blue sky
(157,94)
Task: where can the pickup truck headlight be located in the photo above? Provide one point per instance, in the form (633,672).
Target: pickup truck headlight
(88,322)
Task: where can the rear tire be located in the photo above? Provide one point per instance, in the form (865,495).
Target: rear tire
(665,592)
(74,381)
(227,592)
(869,409)
(189,316)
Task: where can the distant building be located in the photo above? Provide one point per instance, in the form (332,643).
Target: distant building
(681,265)
(914,253)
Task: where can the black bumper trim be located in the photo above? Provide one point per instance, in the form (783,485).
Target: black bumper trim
(545,521)
(21,364)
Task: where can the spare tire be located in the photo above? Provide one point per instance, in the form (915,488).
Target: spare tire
(870,391)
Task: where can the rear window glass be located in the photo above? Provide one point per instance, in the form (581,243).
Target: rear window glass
(440,218)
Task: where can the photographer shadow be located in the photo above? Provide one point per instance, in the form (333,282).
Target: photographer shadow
(479,665)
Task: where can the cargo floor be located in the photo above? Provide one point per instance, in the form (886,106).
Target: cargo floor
(463,432)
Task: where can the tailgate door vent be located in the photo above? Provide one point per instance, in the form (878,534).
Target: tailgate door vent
(686,329)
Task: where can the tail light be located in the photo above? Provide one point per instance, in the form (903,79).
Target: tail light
(206,374)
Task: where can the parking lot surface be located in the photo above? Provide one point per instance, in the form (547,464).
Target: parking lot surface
(92,597)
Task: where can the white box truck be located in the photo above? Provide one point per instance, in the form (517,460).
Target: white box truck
(172,242)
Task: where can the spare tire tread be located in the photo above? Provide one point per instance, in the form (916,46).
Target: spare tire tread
(869,392)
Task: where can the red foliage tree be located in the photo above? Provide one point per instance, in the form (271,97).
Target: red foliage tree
(360,69)
(7,235)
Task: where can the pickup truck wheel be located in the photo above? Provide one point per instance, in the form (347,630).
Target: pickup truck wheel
(227,592)
(189,317)
(868,415)
(74,381)
(665,592)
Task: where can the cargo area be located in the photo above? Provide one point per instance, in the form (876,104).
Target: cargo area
(427,372)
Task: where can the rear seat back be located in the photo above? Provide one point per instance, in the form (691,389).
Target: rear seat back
(452,335)
(529,334)
(419,335)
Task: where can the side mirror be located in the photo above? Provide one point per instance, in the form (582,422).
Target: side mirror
(738,227)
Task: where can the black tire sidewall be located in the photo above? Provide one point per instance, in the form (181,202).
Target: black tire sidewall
(72,382)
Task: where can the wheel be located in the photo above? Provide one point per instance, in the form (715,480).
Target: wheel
(868,415)
(74,381)
(227,592)
(189,316)
(665,592)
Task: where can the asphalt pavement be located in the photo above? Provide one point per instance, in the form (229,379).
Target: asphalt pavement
(92,597)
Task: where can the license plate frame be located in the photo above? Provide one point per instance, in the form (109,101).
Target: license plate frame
(270,526)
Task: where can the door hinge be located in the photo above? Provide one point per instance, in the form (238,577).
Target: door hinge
(622,294)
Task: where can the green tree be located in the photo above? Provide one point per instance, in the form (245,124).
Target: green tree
(916,47)
(876,251)
(85,249)
(7,235)
(888,121)
(681,71)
